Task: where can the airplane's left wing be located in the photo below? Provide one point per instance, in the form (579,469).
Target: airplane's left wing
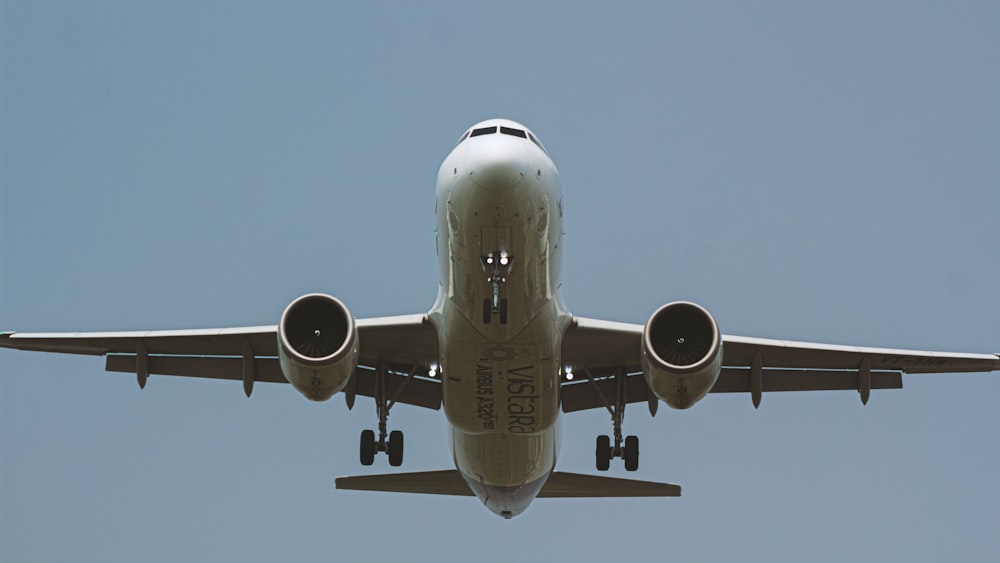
(201,342)
(599,348)
(249,353)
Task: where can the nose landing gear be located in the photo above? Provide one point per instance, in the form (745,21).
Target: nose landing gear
(497,265)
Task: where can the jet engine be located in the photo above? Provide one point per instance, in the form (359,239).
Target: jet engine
(681,353)
(317,345)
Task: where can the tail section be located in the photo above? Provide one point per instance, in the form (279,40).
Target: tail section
(559,485)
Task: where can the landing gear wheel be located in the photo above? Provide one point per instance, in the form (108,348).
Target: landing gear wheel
(487,311)
(603,453)
(503,311)
(368,447)
(631,453)
(395,447)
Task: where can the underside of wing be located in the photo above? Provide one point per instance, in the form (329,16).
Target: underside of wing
(597,344)
(740,351)
(201,342)
(404,345)
(604,352)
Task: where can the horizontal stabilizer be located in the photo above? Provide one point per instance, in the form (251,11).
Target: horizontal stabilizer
(569,485)
(447,482)
(559,485)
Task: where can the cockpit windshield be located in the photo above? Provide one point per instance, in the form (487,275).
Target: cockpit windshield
(483,131)
(503,130)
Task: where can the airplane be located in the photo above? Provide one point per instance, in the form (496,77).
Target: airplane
(499,351)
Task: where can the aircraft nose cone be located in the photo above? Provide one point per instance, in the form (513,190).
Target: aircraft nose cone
(499,163)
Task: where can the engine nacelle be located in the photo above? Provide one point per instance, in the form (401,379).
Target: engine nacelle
(681,353)
(317,345)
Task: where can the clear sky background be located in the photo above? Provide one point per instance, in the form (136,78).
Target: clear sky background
(816,171)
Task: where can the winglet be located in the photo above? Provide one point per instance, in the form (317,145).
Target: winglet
(5,339)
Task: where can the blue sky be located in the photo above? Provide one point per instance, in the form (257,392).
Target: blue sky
(814,171)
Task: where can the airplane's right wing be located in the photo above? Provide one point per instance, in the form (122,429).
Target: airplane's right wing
(600,349)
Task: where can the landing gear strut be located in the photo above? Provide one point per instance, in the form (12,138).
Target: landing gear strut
(629,451)
(497,265)
(389,442)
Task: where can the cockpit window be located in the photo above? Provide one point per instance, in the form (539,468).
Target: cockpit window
(483,131)
(512,131)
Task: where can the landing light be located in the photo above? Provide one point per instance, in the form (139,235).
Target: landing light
(432,372)
(569,374)
(504,260)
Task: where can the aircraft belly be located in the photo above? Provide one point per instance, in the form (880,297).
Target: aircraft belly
(500,374)
(502,401)
(505,460)
(501,387)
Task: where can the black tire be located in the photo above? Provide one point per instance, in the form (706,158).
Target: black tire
(395,447)
(487,311)
(631,453)
(367,447)
(603,453)
(503,311)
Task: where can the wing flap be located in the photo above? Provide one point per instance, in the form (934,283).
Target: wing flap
(582,395)
(265,369)
(738,380)
(739,351)
(416,391)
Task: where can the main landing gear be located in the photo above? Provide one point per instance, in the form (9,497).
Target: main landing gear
(389,442)
(629,450)
(392,446)
(497,265)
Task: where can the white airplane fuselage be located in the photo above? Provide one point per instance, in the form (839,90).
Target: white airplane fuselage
(498,314)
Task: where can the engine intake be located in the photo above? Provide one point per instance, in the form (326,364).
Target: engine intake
(317,345)
(681,353)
